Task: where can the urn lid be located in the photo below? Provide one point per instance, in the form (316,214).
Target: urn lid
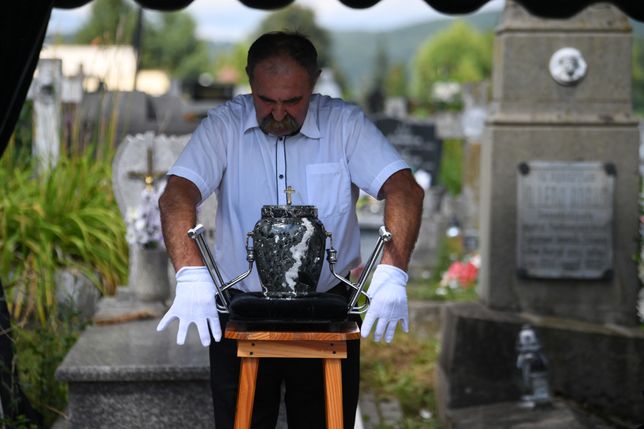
(289,211)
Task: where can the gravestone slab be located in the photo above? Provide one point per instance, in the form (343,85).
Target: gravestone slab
(128,375)
(595,365)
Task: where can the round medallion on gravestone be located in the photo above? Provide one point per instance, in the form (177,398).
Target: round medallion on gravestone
(567,66)
(289,243)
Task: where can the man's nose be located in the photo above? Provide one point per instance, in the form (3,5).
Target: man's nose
(279,112)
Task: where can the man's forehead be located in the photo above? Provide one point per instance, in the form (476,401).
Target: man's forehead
(277,65)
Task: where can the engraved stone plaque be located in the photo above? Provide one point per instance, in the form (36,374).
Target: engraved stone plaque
(565,220)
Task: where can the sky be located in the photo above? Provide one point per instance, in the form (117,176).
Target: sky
(231,21)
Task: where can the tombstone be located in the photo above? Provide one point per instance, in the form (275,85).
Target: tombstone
(415,140)
(559,220)
(46,93)
(138,112)
(141,162)
(421,148)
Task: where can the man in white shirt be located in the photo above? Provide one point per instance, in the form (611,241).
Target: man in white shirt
(248,151)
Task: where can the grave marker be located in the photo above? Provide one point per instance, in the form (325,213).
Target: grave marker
(416,141)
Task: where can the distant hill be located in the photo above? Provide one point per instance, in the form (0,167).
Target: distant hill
(355,51)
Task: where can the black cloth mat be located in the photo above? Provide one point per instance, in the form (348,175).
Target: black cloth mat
(317,308)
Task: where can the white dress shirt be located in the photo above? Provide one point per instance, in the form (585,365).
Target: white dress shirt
(337,152)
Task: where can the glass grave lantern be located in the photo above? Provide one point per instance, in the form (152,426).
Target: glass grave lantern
(288,246)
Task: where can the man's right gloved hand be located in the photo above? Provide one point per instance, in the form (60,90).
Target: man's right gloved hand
(194,302)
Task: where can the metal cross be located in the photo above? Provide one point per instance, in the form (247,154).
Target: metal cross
(289,198)
(150,175)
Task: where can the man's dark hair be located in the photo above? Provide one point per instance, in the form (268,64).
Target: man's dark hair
(291,44)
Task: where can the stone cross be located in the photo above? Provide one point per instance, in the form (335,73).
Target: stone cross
(145,157)
(149,176)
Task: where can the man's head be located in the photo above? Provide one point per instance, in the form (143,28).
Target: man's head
(282,70)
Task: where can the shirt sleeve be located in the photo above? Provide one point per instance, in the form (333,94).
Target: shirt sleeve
(203,160)
(372,159)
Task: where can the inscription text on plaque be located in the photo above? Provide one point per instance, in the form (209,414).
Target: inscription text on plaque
(565,220)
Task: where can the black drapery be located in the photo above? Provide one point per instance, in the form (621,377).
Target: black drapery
(23,25)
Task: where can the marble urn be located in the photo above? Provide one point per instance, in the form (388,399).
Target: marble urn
(289,243)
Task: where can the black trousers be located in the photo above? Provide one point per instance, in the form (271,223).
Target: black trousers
(303,381)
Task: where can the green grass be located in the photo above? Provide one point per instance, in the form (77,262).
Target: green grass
(405,371)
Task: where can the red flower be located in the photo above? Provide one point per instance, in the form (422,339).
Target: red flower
(464,273)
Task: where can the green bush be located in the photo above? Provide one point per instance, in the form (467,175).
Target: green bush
(66,218)
(451,171)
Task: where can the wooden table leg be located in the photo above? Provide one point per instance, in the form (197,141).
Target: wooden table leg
(246,394)
(333,393)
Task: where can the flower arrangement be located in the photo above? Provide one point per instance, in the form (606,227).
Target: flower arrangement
(144,222)
(461,274)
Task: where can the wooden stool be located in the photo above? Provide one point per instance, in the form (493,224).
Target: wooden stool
(255,344)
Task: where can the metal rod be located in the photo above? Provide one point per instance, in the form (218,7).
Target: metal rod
(383,237)
(196,234)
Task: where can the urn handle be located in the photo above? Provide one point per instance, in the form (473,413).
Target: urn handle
(197,234)
(332,257)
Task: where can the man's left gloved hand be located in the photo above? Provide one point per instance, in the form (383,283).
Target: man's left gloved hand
(388,305)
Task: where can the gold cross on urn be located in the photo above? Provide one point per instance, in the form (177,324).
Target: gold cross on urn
(289,195)
(149,176)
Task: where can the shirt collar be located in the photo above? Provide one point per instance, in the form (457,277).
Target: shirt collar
(309,128)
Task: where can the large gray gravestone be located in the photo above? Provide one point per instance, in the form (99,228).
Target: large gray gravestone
(535,118)
(559,219)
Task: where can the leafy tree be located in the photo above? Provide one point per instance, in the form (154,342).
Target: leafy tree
(396,83)
(457,54)
(169,40)
(170,43)
(234,60)
(110,22)
(301,19)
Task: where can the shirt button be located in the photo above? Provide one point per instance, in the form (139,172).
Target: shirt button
(281,176)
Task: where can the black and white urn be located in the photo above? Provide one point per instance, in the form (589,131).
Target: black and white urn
(289,243)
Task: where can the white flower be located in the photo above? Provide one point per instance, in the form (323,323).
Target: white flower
(144,222)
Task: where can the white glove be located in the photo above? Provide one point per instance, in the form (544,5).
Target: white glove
(194,302)
(388,305)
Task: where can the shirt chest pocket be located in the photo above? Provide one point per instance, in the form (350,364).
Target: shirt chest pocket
(328,188)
